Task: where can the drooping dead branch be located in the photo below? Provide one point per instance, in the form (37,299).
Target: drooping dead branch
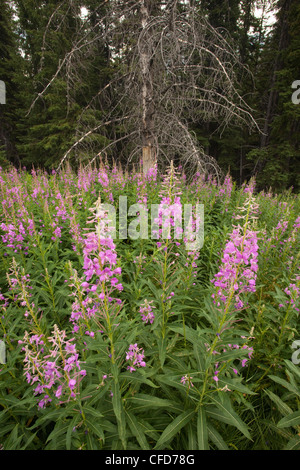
(170,69)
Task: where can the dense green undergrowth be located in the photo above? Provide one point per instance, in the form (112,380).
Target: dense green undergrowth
(141,343)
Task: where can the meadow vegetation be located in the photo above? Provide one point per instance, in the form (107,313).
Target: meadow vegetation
(123,343)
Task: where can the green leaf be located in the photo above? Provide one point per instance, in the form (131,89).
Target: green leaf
(224,412)
(119,412)
(174,427)
(90,411)
(137,377)
(13,441)
(149,430)
(198,354)
(137,431)
(147,402)
(6,428)
(216,438)
(293,368)
(28,441)
(95,427)
(162,347)
(51,416)
(292,419)
(61,428)
(43,294)
(156,292)
(293,444)
(70,431)
(282,407)
(202,433)
(192,437)
(91,442)
(191,335)
(285,384)
(17,402)
(173,381)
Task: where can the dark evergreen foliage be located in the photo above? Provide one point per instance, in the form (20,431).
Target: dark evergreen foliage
(36,36)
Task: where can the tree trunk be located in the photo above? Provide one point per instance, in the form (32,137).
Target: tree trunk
(149,159)
(148,136)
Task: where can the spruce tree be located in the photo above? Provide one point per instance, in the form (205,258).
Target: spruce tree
(45,33)
(10,62)
(277,158)
(236,20)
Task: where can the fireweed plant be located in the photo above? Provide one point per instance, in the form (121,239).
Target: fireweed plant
(117,342)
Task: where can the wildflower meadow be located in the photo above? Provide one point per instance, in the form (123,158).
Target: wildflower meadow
(147,312)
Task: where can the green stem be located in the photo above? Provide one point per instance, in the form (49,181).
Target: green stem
(224,317)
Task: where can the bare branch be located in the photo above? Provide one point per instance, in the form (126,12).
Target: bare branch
(173,69)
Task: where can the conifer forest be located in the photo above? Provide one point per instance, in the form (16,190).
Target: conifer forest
(150,227)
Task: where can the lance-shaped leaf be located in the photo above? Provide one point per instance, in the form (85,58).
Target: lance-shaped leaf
(174,427)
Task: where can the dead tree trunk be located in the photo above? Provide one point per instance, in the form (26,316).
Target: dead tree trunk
(148,111)
(177,71)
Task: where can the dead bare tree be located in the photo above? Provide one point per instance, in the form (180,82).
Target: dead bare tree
(172,69)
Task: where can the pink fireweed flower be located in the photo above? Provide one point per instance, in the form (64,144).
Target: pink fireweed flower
(187,380)
(56,232)
(170,208)
(100,276)
(58,373)
(250,186)
(239,267)
(243,361)
(100,257)
(135,356)
(16,234)
(147,312)
(293,293)
(169,215)
(225,192)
